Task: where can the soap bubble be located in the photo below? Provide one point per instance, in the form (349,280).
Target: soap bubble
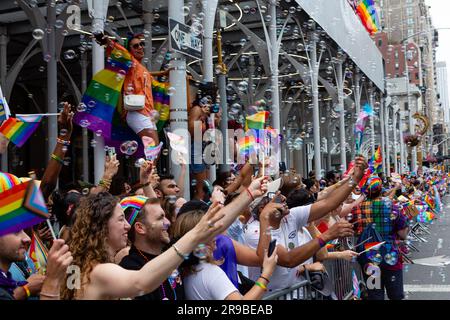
(81,107)
(84,123)
(139,162)
(69,54)
(38,34)
(129,147)
(201,251)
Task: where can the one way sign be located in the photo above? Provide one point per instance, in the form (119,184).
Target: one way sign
(184,41)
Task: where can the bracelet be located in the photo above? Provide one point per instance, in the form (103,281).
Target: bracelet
(27,290)
(57,159)
(322,243)
(261,285)
(268,281)
(145,185)
(63,142)
(182,256)
(49,295)
(105,183)
(250,194)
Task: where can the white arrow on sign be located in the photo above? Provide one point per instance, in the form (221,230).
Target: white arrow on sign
(187,39)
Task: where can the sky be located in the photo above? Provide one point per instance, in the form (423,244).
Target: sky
(440,18)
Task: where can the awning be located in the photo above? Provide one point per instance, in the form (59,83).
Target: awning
(339,21)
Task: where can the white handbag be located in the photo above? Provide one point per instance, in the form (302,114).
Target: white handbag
(135,102)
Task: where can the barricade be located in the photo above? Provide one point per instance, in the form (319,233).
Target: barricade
(301,289)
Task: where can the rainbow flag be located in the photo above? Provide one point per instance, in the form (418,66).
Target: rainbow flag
(430,201)
(360,126)
(368,15)
(38,252)
(135,202)
(21,206)
(19,129)
(104,93)
(377,160)
(256,121)
(373,245)
(161,101)
(247,145)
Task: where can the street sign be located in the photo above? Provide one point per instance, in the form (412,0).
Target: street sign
(183,40)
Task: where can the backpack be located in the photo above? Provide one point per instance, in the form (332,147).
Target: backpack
(384,256)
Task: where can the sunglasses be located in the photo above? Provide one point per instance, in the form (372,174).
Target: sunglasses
(137,45)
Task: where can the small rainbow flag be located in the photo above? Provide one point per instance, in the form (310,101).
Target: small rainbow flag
(19,129)
(256,121)
(373,245)
(376,160)
(104,93)
(247,145)
(152,152)
(38,252)
(430,201)
(21,206)
(161,101)
(135,202)
(355,283)
(368,15)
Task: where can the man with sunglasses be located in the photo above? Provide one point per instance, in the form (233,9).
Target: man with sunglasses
(138,81)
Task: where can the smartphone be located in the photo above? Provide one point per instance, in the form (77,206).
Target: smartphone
(271,195)
(215,108)
(282,166)
(272,246)
(278,199)
(111,152)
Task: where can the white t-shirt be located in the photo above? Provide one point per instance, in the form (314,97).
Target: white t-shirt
(303,238)
(286,236)
(209,283)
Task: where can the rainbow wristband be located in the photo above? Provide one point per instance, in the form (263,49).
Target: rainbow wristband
(56,158)
(261,285)
(27,290)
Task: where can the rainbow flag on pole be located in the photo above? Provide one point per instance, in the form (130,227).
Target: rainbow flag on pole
(104,93)
(368,14)
(247,145)
(19,129)
(256,121)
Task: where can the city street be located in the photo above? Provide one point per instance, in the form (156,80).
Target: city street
(428,278)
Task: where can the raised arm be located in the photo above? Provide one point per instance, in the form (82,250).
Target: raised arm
(335,198)
(110,280)
(145,173)
(50,178)
(111,168)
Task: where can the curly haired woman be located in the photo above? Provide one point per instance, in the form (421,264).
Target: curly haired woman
(100,231)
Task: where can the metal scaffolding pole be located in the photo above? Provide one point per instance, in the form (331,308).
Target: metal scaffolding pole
(100,8)
(222,84)
(3,73)
(52,78)
(402,145)
(340,89)
(395,151)
(275,51)
(178,101)
(372,123)
(411,111)
(84,65)
(386,130)
(209,10)
(148,21)
(383,143)
(314,71)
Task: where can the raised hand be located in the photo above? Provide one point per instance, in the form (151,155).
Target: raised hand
(210,225)
(360,168)
(111,167)
(65,120)
(59,258)
(258,187)
(340,229)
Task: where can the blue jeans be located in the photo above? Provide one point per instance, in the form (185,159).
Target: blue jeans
(392,281)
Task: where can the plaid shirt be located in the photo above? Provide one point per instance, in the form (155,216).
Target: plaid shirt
(385,214)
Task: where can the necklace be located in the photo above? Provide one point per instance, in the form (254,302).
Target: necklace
(162,285)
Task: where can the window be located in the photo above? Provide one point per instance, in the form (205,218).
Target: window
(410,21)
(409,11)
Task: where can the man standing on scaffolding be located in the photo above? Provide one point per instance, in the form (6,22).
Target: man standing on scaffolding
(137,85)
